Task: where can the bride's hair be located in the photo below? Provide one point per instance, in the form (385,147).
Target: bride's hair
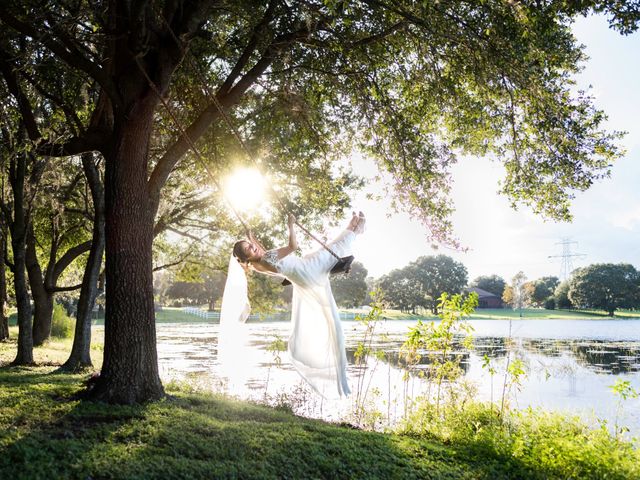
(239,253)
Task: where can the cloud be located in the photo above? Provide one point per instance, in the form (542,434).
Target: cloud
(627,219)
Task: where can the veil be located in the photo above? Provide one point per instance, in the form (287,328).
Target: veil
(233,348)
(235,301)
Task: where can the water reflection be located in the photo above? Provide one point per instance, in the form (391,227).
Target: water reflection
(570,365)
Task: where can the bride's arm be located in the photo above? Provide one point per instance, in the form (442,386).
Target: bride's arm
(293,243)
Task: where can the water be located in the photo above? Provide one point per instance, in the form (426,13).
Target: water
(570,366)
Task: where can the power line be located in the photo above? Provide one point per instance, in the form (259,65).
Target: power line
(566,262)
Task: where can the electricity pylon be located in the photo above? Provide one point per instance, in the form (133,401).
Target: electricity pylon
(566,257)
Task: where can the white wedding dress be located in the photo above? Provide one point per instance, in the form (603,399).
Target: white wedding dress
(316,344)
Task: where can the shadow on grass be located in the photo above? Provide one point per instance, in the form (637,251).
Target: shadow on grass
(46,434)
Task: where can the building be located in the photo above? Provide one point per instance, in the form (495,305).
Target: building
(486,299)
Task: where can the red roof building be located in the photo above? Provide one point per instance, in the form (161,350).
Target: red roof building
(486,299)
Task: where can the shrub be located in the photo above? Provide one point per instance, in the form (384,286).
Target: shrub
(61,325)
(550,303)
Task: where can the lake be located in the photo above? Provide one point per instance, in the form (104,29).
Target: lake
(570,366)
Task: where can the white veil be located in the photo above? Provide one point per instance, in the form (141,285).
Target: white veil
(235,300)
(233,337)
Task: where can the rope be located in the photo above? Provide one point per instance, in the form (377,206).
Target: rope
(199,156)
(214,99)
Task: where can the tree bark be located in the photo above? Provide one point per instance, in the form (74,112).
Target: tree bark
(18,226)
(130,369)
(4,323)
(80,357)
(42,299)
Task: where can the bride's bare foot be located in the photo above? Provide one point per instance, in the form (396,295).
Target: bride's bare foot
(361,222)
(357,222)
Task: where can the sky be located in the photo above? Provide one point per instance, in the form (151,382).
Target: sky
(606,225)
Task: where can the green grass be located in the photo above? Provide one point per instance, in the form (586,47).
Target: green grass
(53,352)
(46,433)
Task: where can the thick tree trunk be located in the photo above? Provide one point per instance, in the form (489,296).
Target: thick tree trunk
(25,338)
(80,357)
(42,299)
(130,369)
(4,323)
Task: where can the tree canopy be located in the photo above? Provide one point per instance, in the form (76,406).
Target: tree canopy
(605,286)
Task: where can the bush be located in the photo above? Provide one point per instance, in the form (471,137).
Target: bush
(62,325)
(550,303)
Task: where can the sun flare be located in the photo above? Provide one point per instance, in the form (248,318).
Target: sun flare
(245,188)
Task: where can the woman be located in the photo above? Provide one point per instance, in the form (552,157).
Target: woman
(316,344)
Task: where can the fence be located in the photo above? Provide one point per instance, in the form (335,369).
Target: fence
(279,316)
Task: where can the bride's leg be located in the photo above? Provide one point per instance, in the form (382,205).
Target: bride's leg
(341,245)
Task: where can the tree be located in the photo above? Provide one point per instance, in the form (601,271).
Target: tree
(351,290)
(4,321)
(191,292)
(474,77)
(58,233)
(561,295)
(543,289)
(436,275)
(80,356)
(491,283)
(605,286)
(518,293)
(401,290)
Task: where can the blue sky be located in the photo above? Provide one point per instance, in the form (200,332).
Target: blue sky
(502,241)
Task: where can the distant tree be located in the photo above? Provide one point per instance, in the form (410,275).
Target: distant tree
(401,290)
(436,275)
(214,287)
(561,295)
(518,293)
(542,289)
(351,290)
(191,292)
(605,286)
(507,295)
(491,283)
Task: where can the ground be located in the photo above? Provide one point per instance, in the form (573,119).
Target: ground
(46,432)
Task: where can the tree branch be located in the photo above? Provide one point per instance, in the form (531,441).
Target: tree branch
(64,289)
(65,51)
(68,257)
(26,111)
(199,126)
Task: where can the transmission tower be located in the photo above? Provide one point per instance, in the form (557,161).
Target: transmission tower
(566,257)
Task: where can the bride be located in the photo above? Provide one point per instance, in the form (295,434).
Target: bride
(316,344)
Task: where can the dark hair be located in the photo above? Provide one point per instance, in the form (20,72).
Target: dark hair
(238,251)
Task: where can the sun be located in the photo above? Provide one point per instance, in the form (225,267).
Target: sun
(245,189)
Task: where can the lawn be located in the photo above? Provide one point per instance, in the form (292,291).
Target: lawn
(48,432)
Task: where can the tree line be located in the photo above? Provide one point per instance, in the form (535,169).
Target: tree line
(600,286)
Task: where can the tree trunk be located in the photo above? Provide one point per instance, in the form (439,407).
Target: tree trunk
(17,174)
(80,356)
(130,369)
(42,299)
(25,338)
(4,323)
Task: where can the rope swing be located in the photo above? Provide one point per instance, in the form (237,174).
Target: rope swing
(343,264)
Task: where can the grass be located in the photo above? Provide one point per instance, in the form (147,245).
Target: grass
(53,352)
(46,432)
